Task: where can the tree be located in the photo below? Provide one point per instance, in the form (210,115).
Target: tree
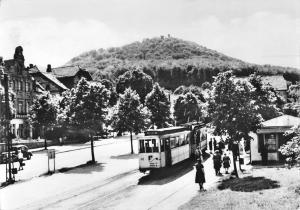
(43,113)
(187,108)
(265,98)
(159,106)
(232,109)
(129,114)
(137,80)
(87,108)
(294,91)
(291,150)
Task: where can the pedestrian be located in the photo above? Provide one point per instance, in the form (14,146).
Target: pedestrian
(215,144)
(210,145)
(198,153)
(200,175)
(226,163)
(217,162)
(221,145)
(20,159)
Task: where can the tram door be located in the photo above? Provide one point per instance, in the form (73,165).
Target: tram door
(168,152)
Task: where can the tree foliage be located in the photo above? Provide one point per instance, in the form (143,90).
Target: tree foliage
(231,108)
(43,111)
(159,106)
(196,90)
(137,80)
(88,106)
(129,114)
(265,98)
(291,150)
(187,108)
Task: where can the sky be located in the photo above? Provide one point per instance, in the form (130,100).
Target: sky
(54,31)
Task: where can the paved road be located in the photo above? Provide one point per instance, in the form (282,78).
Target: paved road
(114,183)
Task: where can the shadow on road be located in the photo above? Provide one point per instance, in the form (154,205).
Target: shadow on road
(166,175)
(125,156)
(83,169)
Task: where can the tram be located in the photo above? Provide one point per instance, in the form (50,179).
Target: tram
(165,147)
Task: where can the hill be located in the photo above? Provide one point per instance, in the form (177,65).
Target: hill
(171,62)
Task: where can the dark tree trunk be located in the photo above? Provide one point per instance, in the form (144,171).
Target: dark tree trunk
(131,142)
(92,149)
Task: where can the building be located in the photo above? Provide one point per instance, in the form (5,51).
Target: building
(278,83)
(47,80)
(69,75)
(272,133)
(21,84)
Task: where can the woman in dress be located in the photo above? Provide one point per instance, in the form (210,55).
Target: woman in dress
(200,175)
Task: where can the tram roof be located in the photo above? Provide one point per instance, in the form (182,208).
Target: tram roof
(163,131)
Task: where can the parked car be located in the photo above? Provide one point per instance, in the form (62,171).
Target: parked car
(4,157)
(24,150)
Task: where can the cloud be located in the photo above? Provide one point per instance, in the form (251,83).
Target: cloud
(46,40)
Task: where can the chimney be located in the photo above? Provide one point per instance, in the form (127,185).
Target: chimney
(1,60)
(49,69)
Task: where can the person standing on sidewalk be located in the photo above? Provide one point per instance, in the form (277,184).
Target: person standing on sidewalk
(226,163)
(200,175)
(217,159)
(20,159)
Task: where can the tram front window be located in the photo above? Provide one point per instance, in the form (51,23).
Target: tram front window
(148,146)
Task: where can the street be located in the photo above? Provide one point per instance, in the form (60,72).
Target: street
(114,183)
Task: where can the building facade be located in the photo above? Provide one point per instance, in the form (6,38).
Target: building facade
(21,84)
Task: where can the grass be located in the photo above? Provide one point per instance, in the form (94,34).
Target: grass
(248,184)
(260,188)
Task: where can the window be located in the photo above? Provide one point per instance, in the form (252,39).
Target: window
(270,140)
(173,142)
(14,85)
(48,87)
(20,107)
(148,146)
(26,86)
(21,85)
(142,147)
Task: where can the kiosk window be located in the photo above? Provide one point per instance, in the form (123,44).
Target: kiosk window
(270,139)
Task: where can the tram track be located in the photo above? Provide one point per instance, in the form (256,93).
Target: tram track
(74,193)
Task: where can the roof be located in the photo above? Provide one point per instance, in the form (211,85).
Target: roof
(276,81)
(9,63)
(54,80)
(49,76)
(282,121)
(66,71)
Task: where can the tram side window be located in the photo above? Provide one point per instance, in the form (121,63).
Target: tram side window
(173,142)
(142,146)
(187,138)
(155,146)
(181,140)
